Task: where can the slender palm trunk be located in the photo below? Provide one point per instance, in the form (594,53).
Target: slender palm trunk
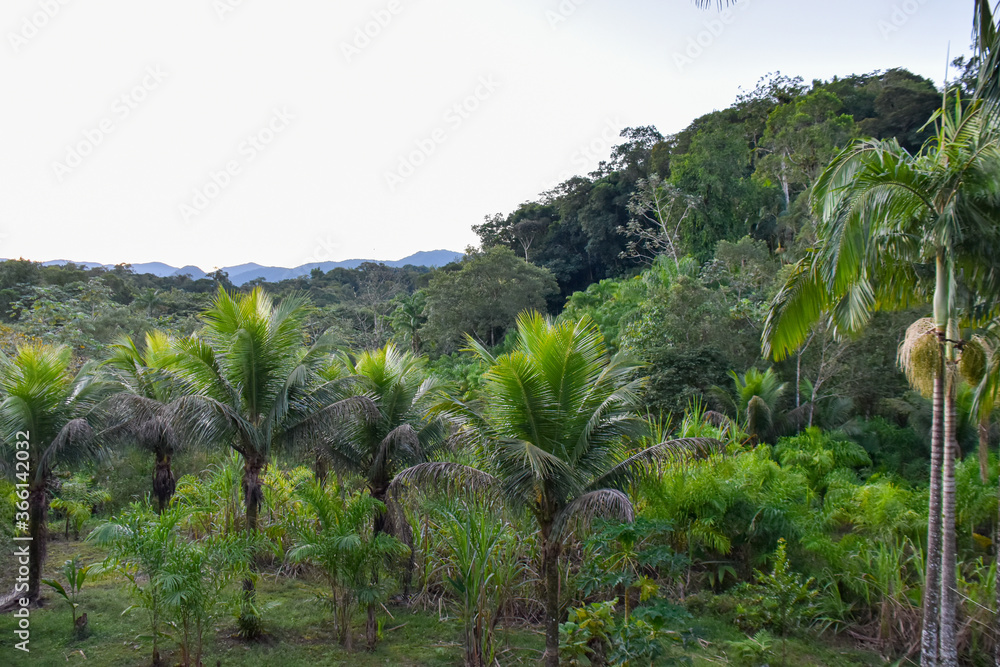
(996,617)
(345,628)
(378,491)
(984,449)
(930,636)
(949,584)
(550,573)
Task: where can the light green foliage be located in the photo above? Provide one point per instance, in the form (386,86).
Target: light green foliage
(212,503)
(880,509)
(344,546)
(82,315)
(8,506)
(480,563)
(975,502)
(283,510)
(399,434)
(585,638)
(612,304)
(76,499)
(177,582)
(780,600)
(592,636)
(731,506)
(75,575)
(408,318)
(460,370)
(753,651)
(754,402)
(818,454)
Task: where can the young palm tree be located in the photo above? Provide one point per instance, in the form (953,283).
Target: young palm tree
(346,548)
(43,414)
(754,401)
(257,385)
(551,434)
(143,411)
(398,436)
(886,217)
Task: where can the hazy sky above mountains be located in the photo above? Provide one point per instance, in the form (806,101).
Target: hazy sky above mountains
(215,132)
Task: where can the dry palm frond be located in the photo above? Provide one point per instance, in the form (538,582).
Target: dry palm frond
(604,503)
(920,356)
(447,476)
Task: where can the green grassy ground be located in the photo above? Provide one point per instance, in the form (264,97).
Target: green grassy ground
(300,634)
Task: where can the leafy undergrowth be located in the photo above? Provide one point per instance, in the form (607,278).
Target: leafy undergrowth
(299,633)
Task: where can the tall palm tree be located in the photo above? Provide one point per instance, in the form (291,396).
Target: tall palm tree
(551,433)
(44,416)
(143,411)
(398,436)
(257,385)
(895,228)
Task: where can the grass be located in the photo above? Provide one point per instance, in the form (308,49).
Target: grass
(300,633)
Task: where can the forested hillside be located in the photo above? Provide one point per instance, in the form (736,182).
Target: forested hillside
(574,431)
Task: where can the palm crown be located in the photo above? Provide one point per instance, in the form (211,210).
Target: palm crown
(553,436)
(44,406)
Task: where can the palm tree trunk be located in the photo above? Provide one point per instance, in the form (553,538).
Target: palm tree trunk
(550,572)
(996,617)
(378,491)
(252,498)
(321,470)
(164,483)
(930,635)
(38,529)
(949,585)
(371,628)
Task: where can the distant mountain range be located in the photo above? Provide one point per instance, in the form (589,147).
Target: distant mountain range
(243,273)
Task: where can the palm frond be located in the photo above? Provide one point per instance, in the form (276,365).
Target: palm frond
(655,459)
(603,503)
(445,476)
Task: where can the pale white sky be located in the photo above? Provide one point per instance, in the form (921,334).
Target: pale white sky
(215,132)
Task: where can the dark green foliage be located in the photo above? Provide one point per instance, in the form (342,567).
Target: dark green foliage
(679,376)
(893,449)
(483,298)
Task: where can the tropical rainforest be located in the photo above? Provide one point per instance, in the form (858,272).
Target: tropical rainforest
(729,399)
